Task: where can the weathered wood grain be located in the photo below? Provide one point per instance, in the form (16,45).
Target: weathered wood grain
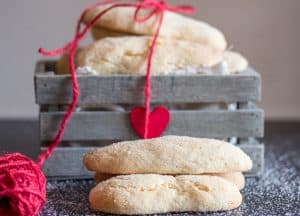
(95,90)
(66,163)
(93,126)
(256,152)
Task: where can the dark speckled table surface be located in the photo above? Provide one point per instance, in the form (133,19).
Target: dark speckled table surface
(276,192)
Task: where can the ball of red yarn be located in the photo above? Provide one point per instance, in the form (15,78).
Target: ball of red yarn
(22,186)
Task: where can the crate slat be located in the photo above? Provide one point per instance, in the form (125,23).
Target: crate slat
(66,163)
(256,152)
(93,126)
(95,90)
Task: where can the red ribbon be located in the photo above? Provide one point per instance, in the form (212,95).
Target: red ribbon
(158,7)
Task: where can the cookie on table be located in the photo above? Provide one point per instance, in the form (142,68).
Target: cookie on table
(150,194)
(175,26)
(236,178)
(169,155)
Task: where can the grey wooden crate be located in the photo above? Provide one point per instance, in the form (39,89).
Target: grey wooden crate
(86,126)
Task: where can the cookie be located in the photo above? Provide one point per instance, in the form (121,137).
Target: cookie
(129,55)
(151,194)
(100,33)
(175,26)
(235,62)
(100,177)
(236,178)
(63,66)
(168,155)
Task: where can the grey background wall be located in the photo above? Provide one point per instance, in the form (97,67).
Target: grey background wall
(266,31)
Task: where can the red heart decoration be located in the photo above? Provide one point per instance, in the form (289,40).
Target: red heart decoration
(159,120)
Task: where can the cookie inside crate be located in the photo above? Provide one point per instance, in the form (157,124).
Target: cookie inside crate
(205,105)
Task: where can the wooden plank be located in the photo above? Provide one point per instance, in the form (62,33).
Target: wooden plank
(66,163)
(40,67)
(256,153)
(96,90)
(93,126)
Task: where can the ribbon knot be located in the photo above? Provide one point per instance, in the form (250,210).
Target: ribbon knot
(160,6)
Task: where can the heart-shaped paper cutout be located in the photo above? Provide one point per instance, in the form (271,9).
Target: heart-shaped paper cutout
(159,120)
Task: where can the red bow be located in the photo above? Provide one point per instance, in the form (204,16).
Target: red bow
(159,7)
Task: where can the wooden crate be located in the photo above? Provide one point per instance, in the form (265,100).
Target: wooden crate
(90,129)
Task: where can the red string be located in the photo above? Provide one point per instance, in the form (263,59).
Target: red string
(158,8)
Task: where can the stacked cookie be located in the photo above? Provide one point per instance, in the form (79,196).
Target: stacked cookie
(167,174)
(185,46)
